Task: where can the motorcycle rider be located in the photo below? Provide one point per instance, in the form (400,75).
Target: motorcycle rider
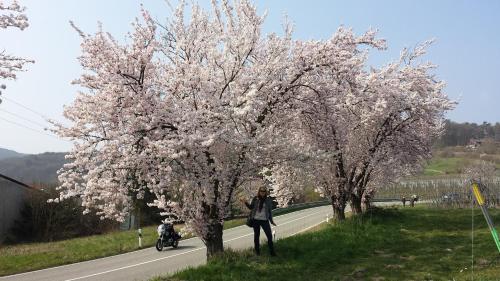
(170,232)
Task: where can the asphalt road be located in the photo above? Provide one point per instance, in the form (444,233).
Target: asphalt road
(147,263)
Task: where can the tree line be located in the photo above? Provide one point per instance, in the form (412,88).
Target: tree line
(461,134)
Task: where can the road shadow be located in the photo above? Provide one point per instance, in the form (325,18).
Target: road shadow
(180,247)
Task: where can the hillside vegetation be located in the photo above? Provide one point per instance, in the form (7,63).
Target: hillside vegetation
(448,161)
(34,169)
(7,153)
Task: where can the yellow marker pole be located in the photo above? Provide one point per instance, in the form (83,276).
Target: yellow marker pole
(480,201)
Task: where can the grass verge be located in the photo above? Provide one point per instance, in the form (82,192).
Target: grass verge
(386,244)
(33,256)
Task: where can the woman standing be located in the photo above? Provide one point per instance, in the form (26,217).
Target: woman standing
(260,207)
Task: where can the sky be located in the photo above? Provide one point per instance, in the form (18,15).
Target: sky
(467,51)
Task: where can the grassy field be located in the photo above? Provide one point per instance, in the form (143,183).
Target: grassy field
(386,244)
(453,160)
(445,166)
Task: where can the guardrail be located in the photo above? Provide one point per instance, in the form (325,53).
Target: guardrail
(299,206)
(388,200)
(292,207)
(289,208)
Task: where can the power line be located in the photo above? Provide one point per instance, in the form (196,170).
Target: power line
(24,118)
(45,117)
(25,107)
(31,129)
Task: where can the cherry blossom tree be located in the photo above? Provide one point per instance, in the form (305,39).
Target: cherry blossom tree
(188,111)
(363,123)
(11,15)
(405,118)
(321,104)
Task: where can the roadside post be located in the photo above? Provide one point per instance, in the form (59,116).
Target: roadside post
(139,231)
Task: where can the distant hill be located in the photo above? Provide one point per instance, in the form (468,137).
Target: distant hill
(7,153)
(32,169)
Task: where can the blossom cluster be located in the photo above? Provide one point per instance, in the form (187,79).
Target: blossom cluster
(11,16)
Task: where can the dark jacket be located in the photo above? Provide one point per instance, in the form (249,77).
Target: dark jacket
(254,205)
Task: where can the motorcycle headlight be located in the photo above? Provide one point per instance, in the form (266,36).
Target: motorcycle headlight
(161,229)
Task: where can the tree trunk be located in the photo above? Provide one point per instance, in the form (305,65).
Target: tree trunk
(338,205)
(367,199)
(366,206)
(338,213)
(213,240)
(356,205)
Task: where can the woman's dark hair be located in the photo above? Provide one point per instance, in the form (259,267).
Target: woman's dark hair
(262,197)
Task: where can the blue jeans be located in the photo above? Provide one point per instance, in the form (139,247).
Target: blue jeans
(257,224)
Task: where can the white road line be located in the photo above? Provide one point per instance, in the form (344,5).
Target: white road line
(133,265)
(197,249)
(312,226)
(306,229)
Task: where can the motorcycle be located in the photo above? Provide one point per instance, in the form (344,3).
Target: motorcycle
(167,237)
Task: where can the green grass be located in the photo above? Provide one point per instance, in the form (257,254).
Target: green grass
(234,223)
(442,166)
(387,244)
